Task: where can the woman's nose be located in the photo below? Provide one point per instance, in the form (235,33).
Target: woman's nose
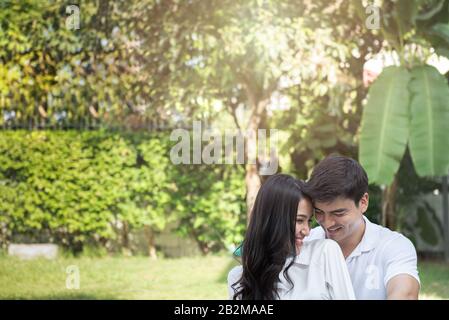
(305,231)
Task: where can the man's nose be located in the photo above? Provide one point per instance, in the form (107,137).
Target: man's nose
(326,221)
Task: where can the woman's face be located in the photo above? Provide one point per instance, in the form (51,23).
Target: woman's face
(303,220)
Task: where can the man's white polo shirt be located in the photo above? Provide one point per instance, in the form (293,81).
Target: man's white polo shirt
(381,255)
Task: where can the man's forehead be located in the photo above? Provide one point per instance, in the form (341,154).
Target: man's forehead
(337,203)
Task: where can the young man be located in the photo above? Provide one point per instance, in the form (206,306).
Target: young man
(382,263)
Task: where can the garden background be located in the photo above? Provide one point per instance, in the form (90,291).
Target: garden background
(92,92)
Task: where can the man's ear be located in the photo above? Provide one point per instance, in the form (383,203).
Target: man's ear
(363,203)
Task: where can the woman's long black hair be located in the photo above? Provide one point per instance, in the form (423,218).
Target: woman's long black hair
(269,239)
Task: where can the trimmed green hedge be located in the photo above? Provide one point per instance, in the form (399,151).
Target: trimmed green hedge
(75,188)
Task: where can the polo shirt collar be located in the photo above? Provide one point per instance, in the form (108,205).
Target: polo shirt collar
(369,239)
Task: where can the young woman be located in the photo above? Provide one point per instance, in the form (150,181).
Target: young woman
(276,261)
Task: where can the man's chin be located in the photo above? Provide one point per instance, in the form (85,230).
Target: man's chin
(335,237)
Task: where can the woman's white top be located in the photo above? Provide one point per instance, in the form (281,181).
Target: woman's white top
(319,272)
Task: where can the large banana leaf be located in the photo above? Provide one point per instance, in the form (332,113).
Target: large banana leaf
(429,138)
(385,125)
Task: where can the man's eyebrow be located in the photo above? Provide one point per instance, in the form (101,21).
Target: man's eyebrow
(333,211)
(338,210)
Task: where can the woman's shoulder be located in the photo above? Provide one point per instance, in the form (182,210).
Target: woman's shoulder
(234,274)
(316,250)
(325,244)
(233,277)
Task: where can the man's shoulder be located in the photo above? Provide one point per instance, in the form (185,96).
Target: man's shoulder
(389,238)
(389,244)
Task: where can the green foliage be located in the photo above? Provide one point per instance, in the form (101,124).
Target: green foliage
(408,104)
(80,188)
(210,202)
(432,24)
(427,230)
(391,120)
(50,73)
(326,105)
(385,125)
(429,114)
(76,186)
(182,60)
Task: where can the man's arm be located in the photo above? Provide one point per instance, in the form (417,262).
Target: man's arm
(402,287)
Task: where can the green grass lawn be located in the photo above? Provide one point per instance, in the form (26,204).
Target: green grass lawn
(434,280)
(142,278)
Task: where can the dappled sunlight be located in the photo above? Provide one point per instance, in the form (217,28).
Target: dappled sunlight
(135,137)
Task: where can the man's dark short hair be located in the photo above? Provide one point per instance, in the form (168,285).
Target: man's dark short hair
(337,176)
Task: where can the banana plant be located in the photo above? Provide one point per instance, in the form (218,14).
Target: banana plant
(405,108)
(408,105)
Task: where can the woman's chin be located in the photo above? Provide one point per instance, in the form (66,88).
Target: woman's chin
(298,246)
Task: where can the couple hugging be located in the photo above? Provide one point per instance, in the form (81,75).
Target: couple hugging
(345,257)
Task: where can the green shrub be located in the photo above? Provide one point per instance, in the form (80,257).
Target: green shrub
(92,187)
(69,187)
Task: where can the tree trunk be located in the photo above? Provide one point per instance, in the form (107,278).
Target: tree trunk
(149,235)
(126,249)
(3,237)
(258,102)
(253,183)
(389,205)
(252,178)
(203,246)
